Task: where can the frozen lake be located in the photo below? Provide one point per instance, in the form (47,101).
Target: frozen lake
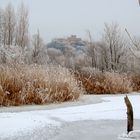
(92,117)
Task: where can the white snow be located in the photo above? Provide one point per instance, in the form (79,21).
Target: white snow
(133,135)
(113,108)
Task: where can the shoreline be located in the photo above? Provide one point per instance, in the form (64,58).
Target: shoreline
(83,100)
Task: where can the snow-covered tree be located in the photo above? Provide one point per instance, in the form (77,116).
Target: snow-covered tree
(115,44)
(22,28)
(38,51)
(9,25)
(55,55)
(92,50)
(1,26)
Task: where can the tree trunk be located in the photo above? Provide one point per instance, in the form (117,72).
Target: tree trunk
(129,114)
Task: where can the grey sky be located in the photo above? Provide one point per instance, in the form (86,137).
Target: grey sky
(61,18)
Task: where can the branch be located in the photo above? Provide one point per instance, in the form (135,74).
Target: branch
(133,42)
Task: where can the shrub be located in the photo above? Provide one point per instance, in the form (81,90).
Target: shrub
(117,83)
(136,81)
(34,84)
(96,82)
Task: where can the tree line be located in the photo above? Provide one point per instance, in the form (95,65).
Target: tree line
(115,51)
(14,26)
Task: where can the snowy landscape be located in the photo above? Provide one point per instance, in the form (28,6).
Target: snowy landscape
(69,70)
(59,122)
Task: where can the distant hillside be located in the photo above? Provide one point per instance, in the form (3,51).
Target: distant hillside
(72,41)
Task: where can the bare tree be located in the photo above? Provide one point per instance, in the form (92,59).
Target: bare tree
(134,53)
(38,45)
(103,57)
(9,25)
(55,56)
(91,50)
(69,55)
(22,36)
(116,45)
(1,26)
(136,46)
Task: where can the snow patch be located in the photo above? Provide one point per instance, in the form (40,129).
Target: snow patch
(113,108)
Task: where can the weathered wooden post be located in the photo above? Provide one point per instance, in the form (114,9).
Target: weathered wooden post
(130,118)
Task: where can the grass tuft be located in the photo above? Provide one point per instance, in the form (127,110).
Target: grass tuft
(97,82)
(34,84)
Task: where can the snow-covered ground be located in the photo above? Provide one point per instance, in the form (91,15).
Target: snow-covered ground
(20,125)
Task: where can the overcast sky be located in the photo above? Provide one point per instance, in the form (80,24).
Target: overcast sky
(61,18)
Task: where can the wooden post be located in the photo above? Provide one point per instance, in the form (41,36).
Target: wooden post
(129,114)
